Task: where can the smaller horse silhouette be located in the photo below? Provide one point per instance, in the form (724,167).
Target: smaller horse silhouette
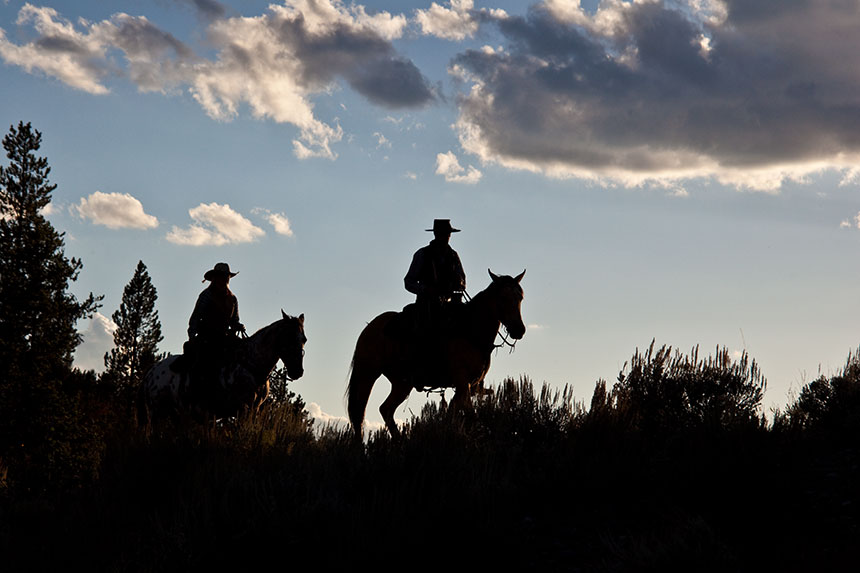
(242,382)
(463,355)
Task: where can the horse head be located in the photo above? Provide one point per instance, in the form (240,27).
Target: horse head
(509,298)
(291,345)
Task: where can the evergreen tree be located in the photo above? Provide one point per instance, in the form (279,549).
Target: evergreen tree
(136,337)
(39,431)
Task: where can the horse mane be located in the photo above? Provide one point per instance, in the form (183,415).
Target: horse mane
(501,282)
(274,325)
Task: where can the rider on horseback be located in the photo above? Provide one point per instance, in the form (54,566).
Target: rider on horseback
(437,280)
(436,275)
(214,325)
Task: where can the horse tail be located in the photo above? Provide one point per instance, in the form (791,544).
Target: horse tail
(357,395)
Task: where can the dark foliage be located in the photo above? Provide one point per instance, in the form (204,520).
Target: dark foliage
(661,392)
(43,437)
(527,479)
(828,405)
(290,402)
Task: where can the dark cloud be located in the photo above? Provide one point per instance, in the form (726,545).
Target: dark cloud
(666,89)
(367,61)
(138,36)
(61,45)
(391,82)
(207,9)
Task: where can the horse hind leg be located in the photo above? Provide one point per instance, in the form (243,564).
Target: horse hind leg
(399,392)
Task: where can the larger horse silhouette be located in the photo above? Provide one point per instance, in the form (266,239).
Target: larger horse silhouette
(463,353)
(242,382)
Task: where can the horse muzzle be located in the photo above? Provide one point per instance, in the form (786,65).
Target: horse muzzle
(516,331)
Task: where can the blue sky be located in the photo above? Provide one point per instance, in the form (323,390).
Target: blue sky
(685,171)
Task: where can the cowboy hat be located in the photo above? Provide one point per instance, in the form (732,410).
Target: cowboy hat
(443,226)
(220,269)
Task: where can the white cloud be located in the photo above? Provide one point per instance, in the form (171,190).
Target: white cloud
(851,223)
(115,211)
(454,23)
(411,175)
(278,221)
(321,417)
(98,339)
(449,167)
(215,225)
(62,52)
(381,140)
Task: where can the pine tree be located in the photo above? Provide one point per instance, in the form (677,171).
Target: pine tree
(39,431)
(136,337)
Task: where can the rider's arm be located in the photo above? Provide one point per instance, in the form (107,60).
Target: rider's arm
(197,315)
(234,320)
(412,280)
(460,275)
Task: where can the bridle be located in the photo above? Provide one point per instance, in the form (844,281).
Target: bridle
(499,333)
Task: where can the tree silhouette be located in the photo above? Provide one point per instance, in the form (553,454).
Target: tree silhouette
(38,427)
(136,337)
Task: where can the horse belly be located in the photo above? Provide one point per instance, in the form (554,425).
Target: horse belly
(161,385)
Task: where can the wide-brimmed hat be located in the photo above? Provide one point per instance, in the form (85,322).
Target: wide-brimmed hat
(443,225)
(220,269)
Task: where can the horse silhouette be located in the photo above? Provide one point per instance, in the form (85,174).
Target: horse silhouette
(462,354)
(242,382)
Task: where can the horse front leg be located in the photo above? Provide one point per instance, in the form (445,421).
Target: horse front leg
(400,390)
(462,399)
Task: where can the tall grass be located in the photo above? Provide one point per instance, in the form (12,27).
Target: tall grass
(671,467)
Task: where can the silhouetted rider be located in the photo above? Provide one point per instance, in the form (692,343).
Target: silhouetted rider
(216,314)
(214,325)
(435,276)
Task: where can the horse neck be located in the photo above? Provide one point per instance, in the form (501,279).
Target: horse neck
(262,350)
(483,322)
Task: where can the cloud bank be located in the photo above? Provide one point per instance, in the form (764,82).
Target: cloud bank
(750,93)
(273,63)
(115,211)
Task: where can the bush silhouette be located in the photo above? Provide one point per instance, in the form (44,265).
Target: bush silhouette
(664,392)
(828,404)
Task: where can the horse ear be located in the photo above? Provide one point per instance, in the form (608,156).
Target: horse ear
(302,318)
(492,276)
(520,276)
(283,314)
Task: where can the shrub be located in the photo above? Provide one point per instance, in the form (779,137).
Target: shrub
(828,404)
(663,391)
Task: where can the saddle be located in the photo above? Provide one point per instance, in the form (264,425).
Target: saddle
(203,358)
(424,335)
